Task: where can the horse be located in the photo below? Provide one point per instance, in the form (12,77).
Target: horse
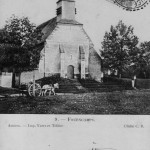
(49,88)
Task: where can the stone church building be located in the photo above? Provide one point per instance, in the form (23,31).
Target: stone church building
(67,50)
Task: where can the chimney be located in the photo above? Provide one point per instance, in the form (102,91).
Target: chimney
(66,10)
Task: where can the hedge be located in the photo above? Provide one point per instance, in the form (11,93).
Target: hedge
(127,83)
(142,83)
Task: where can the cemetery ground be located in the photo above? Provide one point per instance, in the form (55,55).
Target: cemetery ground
(134,102)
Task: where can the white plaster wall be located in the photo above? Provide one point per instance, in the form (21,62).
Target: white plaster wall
(69,34)
(71,37)
(71,57)
(51,60)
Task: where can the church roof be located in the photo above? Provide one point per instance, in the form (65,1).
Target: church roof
(65,21)
(66,0)
(48,26)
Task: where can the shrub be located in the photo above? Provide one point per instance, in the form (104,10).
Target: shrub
(49,80)
(121,81)
(142,83)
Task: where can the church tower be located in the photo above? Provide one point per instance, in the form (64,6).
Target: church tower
(66,10)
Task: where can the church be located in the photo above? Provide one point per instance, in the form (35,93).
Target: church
(68,50)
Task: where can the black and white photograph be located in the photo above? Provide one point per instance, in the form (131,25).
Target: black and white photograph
(75,57)
(74,74)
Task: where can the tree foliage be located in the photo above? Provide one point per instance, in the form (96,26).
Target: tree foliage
(143,61)
(19,44)
(119,47)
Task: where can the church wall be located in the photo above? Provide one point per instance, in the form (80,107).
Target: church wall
(71,57)
(94,65)
(68,10)
(51,62)
(70,37)
(65,33)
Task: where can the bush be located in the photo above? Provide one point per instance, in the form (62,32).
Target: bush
(142,83)
(49,80)
(121,81)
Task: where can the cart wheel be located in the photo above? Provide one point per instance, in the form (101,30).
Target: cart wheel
(37,90)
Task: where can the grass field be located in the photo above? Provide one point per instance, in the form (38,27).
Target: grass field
(133,102)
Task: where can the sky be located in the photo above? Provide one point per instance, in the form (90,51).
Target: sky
(96,15)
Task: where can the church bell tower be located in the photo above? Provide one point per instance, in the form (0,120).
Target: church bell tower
(66,10)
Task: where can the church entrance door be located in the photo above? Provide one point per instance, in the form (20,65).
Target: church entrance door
(70,72)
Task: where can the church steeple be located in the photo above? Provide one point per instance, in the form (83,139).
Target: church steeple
(66,10)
